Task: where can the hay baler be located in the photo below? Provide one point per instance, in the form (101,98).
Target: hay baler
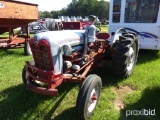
(68,56)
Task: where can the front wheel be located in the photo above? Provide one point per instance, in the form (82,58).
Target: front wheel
(88,96)
(25,73)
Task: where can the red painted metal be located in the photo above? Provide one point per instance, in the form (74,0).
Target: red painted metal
(94,97)
(15,14)
(49,77)
(15,40)
(41,90)
(45,76)
(104,36)
(76,25)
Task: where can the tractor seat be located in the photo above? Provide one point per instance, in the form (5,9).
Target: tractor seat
(102,37)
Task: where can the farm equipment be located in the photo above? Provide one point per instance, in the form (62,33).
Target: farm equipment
(66,23)
(14,14)
(76,24)
(69,55)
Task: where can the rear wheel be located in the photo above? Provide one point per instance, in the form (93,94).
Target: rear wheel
(126,54)
(88,96)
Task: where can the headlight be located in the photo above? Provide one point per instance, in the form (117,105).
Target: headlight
(67,50)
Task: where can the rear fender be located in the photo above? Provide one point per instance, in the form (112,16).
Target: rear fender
(116,36)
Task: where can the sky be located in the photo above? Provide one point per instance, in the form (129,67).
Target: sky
(49,5)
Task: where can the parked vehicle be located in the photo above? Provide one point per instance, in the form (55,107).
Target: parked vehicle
(68,55)
(68,23)
(139,16)
(36,27)
(76,23)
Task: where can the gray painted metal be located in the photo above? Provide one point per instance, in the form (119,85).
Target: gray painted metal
(57,39)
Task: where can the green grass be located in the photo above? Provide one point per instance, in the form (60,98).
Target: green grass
(17,103)
(104,29)
(4,34)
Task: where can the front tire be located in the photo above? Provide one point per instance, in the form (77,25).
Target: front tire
(126,54)
(88,96)
(24,75)
(24,72)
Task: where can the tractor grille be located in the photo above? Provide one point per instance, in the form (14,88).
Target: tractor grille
(42,55)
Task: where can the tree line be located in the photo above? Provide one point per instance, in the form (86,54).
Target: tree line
(82,8)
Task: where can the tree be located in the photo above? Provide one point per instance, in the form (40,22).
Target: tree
(81,8)
(102,10)
(45,14)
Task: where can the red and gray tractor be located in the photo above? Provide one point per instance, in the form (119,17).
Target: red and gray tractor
(69,55)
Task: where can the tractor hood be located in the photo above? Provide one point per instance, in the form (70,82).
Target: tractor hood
(57,39)
(60,38)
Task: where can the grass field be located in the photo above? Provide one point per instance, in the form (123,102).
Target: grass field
(4,34)
(118,96)
(104,28)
